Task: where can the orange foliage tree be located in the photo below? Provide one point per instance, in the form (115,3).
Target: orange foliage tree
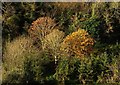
(78,43)
(41,27)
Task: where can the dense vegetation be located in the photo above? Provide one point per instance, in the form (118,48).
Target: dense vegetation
(61,43)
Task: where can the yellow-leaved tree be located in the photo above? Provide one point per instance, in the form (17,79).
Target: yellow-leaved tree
(78,44)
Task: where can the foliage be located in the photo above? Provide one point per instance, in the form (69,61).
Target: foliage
(111,17)
(97,69)
(15,50)
(65,70)
(65,5)
(25,64)
(88,70)
(62,71)
(53,39)
(41,27)
(14,56)
(68,43)
(109,14)
(74,20)
(38,68)
(51,43)
(92,26)
(78,43)
(15,18)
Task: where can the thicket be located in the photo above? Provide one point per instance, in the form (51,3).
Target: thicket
(61,43)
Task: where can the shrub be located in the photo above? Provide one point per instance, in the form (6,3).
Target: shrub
(98,69)
(93,27)
(37,68)
(15,56)
(52,43)
(41,27)
(15,18)
(88,70)
(66,70)
(24,63)
(106,72)
(111,18)
(53,39)
(106,24)
(92,67)
(78,43)
(15,49)
(62,71)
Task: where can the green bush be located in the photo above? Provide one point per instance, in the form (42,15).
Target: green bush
(65,69)
(88,70)
(93,27)
(38,69)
